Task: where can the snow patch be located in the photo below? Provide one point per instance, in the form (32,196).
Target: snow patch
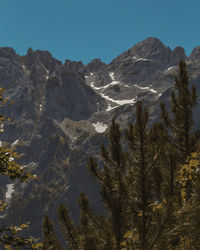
(153,90)
(15,142)
(40,107)
(97,88)
(108,85)
(109,108)
(112,75)
(10,190)
(91,73)
(47,75)
(119,102)
(86,77)
(100,127)
(143,59)
(25,69)
(147,88)
(169,68)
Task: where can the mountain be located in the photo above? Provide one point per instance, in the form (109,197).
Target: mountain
(61,115)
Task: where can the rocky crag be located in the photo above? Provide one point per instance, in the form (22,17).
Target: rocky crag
(61,115)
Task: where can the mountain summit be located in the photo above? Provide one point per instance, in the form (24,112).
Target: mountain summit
(62,112)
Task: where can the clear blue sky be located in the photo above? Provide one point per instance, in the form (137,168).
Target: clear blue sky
(88,29)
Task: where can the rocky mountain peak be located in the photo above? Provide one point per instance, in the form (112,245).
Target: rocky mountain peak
(8,53)
(30,50)
(39,57)
(39,65)
(195,55)
(151,48)
(149,43)
(62,111)
(73,66)
(93,66)
(178,54)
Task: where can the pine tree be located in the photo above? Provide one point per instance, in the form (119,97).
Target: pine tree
(183,141)
(140,184)
(179,123)
(113,184)
(67,228)
(146,195)
(50,240)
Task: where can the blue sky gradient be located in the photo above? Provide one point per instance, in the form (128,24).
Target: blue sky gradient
(87,29)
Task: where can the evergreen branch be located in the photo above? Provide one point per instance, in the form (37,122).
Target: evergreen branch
(165,117)
(62,212)
(158,234)
(181,148)
(92,168)
(155,158)
(92,216)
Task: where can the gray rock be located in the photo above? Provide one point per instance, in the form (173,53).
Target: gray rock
(195,55)
(60,107)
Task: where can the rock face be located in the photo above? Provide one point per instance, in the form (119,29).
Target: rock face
(94,66)
(61,115)
(195,55)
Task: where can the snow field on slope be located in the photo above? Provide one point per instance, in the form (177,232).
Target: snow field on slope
(100,127)
(147,88)
(10,190)
(119,102)
(108,85)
